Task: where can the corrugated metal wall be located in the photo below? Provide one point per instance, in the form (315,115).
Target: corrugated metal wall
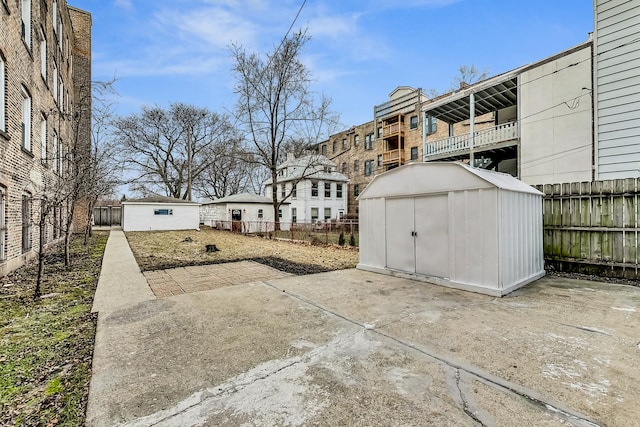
(617,82)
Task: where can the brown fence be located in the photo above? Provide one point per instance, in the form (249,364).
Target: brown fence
(592,227)
(316,233)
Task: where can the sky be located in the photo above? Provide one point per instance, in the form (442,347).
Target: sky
(164,51)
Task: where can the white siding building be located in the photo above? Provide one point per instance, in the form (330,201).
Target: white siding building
(250,212)
(616,68)
(313,188)
(160,213)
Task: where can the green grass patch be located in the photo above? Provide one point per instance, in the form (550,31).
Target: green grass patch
(46,345)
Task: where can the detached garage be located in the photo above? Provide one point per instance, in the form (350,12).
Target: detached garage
(160,213)
(453,225)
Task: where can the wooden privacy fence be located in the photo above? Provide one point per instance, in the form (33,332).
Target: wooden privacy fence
(592,227)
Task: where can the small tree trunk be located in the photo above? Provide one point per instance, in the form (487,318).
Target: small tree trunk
(42,226)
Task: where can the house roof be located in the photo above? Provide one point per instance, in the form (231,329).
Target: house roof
(242,198)
(159,199)
(439,177)
(311,166)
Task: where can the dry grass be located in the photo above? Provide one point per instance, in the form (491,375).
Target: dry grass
(166,249)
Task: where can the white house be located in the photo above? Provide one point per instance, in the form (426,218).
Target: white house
(250,213)
(160,213)
(315,191)
(457,226)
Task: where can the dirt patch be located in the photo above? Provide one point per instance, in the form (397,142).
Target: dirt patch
(158,250)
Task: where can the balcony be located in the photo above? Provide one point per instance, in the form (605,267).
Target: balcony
(393,129)
(393,156)
(459,145)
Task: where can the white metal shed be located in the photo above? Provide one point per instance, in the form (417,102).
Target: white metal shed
(453,225)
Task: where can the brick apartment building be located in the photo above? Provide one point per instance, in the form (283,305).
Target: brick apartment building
(393,138)
(45,77)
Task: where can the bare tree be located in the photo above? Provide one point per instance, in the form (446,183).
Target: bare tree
(276,106)
(468,75)
(168,148)
(228,171)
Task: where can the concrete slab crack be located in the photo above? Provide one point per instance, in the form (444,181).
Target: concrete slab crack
(465,403)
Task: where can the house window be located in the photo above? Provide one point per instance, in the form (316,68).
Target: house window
(283,191)
(335,146)
(338,191)
(414,153)
(26,222)
(379,160)
(43,138)
(3,223)
(3,99)
(368,142)
(431,124)
(323,149)
(26,22)
(314,188)
(314,214)
(294,215)
(368,167)
(344,143)
(43,55)
(327,213)
(163,211)
(356,139)
(260,214)
(356,166)
(280,213)
(413,122)
(26,120)
(294,191)
(327,190)
(356,189)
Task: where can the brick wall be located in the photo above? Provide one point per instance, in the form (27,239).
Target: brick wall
(25,171)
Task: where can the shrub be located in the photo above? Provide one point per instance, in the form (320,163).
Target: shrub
(352,240)
(341,240)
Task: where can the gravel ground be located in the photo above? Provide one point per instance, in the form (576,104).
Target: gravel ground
(155,250)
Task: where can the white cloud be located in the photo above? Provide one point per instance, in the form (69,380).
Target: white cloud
(124,4)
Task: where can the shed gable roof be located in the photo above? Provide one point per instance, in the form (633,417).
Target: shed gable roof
(439,177)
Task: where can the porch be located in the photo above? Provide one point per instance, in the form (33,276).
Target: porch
(496,137)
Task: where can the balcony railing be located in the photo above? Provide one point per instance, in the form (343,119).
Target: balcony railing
(501,133)
(393,156)
(392,129)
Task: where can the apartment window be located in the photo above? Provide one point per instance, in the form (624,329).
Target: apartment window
(26,222)
(163,211)
(60,156)
(356,166)
(55,148)
(26,120)
(314,214)
(368,167)
(3,223)
(327,214)
(54,83)
(356,139)
(356,189)
(414,153)
(344,167)
(431,124)
(338,191)
(413,122)
(25,9)
(43,138)
(283,190)
(61,93)
(314,188)
(294,215)
(323,149)
(54,15)
(344,143)
(327,190)
(3,99)
(335,146)
(60,33)
(368,142)
(380,132)
(294,191)
(260,214)
(43,55)
(379,160)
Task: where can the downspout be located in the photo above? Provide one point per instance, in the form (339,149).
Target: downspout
(472,122)
(424,135)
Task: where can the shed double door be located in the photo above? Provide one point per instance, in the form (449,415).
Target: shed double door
(417,231)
